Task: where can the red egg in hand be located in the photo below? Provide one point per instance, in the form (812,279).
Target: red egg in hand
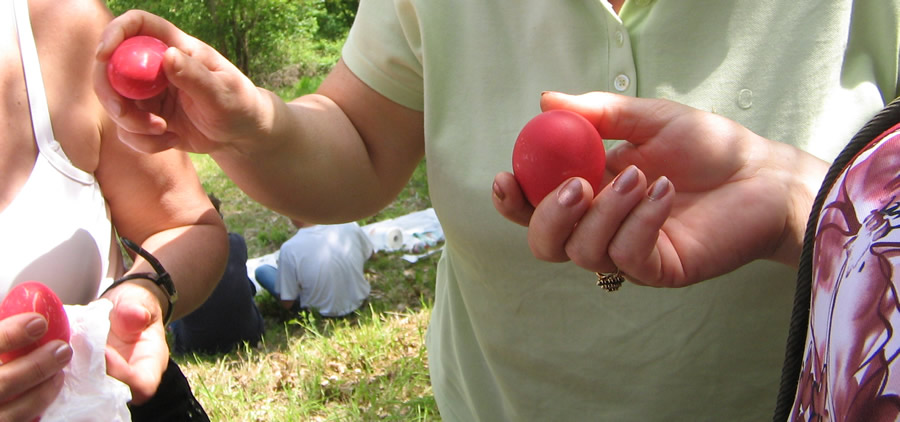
(34,296)
(553,147)
(135,68)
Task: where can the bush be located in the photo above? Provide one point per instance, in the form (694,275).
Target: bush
(261,37)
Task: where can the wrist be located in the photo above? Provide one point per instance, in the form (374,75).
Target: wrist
(150,282)
(153,294)
(263,125)
(804,176)
(163,287)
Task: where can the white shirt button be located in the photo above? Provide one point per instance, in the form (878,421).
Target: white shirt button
(745,98)
(620,38)
(621,82)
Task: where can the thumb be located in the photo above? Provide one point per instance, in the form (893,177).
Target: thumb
(128,320)
(616,116)
(212,92)
(190,75)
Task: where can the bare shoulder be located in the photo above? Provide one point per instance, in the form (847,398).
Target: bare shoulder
(66,33)
(69,28)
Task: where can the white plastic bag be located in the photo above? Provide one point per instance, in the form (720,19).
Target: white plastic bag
(89,394)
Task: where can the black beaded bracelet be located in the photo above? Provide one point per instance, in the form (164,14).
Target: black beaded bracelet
(160,278)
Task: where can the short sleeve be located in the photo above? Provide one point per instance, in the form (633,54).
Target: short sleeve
(383,49)
(288,281)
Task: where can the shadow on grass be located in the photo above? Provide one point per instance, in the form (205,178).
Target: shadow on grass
(370,365)
(397,287)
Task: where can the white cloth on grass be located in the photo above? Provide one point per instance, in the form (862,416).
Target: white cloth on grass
(420,230)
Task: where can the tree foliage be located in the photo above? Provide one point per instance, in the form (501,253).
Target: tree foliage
(334,17)
(259,36)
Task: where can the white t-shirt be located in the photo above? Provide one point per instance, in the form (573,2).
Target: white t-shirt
(323,266)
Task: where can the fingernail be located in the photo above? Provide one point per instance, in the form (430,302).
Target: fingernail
(63,353)
(99,47)
(570,193)
(36,327)
(626,180)
(498,192)
(659,189)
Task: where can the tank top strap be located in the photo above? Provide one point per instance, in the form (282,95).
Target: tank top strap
(37,98)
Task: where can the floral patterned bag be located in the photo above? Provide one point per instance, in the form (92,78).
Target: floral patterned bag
(841,361)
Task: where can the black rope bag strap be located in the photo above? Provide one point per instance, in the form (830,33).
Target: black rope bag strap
(793,359)
(160,278)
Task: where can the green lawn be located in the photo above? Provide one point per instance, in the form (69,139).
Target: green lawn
(370,366)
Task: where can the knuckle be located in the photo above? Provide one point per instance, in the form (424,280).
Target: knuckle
(584,257)
(626,254)
(12,333)
(7,388)
(40,370)
(619,255)
(7,340)
(545,254)
(537,249)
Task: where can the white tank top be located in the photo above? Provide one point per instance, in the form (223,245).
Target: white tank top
(57,229)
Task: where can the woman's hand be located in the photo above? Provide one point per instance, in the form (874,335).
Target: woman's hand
(695,195)
(136,349)
(208,104)
(31,382)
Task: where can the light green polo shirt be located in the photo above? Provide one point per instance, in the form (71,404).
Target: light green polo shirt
(515,338)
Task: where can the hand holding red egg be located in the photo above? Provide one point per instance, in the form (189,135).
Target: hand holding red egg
(33,296)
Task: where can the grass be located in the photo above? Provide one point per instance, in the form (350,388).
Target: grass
(369,366)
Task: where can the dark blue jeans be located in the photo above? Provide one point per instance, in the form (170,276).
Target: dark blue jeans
(266,276)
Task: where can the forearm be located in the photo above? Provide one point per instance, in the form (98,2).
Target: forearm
(195,258)
(314,165)
(335,156)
